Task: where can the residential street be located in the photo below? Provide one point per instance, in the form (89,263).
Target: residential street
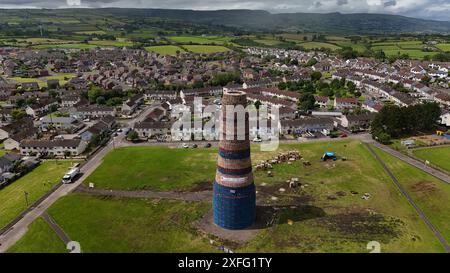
(12,235)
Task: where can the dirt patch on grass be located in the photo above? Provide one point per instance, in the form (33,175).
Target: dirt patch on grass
(424,187)
(363,226)
(202,186)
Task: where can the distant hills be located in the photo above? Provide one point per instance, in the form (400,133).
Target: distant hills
(330,22)
(249,20)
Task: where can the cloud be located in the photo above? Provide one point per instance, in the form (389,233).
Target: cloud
(432,9)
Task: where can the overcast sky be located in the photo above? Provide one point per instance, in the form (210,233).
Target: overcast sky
(431,9)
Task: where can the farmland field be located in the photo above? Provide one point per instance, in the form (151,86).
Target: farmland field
(36,183)
(165,49)
(439,156)
(199,39)
(327,213)
(74,46)
(313,45)
(118,43)
(444,47)
(206,49)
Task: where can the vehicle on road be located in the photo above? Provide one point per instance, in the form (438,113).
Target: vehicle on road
(207,145)
(185,145)
(70,176)
(256,139)
(194,145)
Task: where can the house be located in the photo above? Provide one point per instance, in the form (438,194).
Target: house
(345,103)
(161,95)
(443,98)
(8,162)
(13,141)
(445,119)
(15,127)
(30,86)
(99,129)
(322,101)
(93,111)
(68,101)
(357,122)
(298,126)
(59,123)
(132,104)
(156,114)
(60,147)
(42,106)
(372,106)
(6,114)
(52,84)
(147,129)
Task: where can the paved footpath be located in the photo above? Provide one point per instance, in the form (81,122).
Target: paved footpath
(419,211)
(185,196)
(58,230)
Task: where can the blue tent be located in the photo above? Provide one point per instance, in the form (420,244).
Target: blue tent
(329,155)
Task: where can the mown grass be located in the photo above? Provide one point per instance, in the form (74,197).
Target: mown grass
(439,156)
(427,191)
(36,184)
(40,238)
(206,49)
(125,225)
(165,49)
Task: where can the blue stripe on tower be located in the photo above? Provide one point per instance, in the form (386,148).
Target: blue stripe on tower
(234,208)
(234,154)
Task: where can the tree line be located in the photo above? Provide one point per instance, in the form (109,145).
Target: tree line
(393,121)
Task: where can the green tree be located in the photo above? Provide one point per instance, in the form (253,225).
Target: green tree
(133,136)
(307,102)
(18,114)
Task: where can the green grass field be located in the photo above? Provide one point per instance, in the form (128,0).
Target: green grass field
(427,191)
(36,183)
(329,214)
(165,49)
(117,43)
(68,46)
(205,49)
(123,225)
(39,238)
(313,45)
(153,168)
(444,47)
(439,156)
(220,40)
(42,82)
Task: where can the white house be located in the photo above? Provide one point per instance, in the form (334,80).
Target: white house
(445,119)
(58,147)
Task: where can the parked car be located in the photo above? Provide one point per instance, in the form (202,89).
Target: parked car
(207,145)
(194,145)
(185,145)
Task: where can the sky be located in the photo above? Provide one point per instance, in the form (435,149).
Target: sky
(429,9)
